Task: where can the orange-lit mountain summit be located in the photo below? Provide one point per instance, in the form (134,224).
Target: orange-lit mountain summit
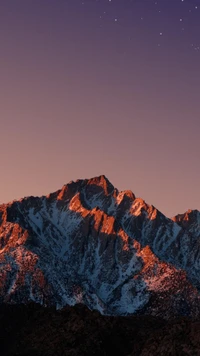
(89,243)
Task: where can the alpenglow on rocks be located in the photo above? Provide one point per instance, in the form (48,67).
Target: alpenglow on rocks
(89,243)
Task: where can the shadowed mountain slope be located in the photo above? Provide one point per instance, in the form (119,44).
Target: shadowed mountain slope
(89,243)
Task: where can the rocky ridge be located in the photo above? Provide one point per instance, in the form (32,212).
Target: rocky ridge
(89,243)
(32,330)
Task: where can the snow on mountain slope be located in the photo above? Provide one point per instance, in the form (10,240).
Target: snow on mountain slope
(89,243)
(190,221)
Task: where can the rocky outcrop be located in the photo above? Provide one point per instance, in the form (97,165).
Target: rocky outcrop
(89,243)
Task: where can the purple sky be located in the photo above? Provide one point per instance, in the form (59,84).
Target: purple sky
(101,87)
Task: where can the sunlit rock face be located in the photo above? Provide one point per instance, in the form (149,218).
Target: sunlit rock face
(89,243)
(190,221)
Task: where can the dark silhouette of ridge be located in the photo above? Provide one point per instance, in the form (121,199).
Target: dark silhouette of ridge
(32,330)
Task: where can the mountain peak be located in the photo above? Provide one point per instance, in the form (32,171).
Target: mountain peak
(189,221)
(89,243)
(103,182)
(188,215)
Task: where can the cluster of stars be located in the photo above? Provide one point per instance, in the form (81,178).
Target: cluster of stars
(182,19)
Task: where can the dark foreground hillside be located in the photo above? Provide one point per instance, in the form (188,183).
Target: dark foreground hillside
(76,331)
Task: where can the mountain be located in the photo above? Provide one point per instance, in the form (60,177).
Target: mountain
(89,243)
(190,221)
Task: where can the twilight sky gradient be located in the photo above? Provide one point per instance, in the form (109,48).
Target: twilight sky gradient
(101,87)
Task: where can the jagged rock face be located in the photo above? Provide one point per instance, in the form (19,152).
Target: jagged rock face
(89,243)
(190,221)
